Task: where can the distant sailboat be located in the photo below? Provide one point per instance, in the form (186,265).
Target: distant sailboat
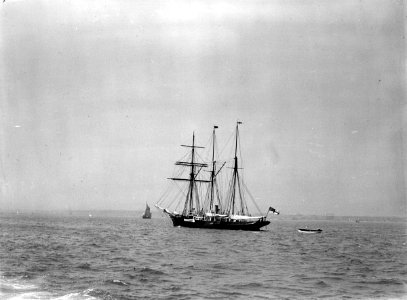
(147,212)
(214,210)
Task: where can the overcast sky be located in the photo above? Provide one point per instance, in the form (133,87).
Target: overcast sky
(96,97)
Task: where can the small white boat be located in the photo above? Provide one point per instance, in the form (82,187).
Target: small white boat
(306,230)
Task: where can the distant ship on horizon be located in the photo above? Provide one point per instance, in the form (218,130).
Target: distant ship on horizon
(147,213)
(204,205)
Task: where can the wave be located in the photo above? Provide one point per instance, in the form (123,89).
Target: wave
(149,271)
(12,286)
(117,282)
(321,284)
(84,266)
(115,261)
(385,281)
(248,285)
(18,289)
(85,295)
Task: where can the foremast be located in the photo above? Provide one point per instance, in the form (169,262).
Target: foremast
(192,207)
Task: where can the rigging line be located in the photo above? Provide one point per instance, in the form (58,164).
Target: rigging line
(177,171)
(226,144)
(251,197)
(220,169)
(175,174)
(241,195)
(245,201)
(231,195)
(196,175)
(200,157)
(176,197)
(240,154)
(198,208)
(207,197)
(241,175)
(179,201)
(161,198)
(187,202)
(180,187)
(178,193)
(207,144)
(218,196)
(184,156)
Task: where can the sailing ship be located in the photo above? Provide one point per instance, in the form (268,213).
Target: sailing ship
(147,212)
(213,209)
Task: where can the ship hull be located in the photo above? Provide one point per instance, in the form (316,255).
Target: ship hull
(222,224)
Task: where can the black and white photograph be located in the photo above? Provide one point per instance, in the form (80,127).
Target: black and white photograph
(203,149)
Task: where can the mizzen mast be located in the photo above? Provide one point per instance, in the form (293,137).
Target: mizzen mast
(235,185)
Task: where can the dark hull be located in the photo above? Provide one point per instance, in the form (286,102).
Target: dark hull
(146,217)
(222,224)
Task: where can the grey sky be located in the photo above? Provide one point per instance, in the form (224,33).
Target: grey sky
(97,96)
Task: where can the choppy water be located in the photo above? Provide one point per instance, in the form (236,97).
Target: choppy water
(123,257)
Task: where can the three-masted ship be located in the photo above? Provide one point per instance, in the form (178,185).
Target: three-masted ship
(216,210)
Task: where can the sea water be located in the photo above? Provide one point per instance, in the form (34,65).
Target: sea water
(122,256)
